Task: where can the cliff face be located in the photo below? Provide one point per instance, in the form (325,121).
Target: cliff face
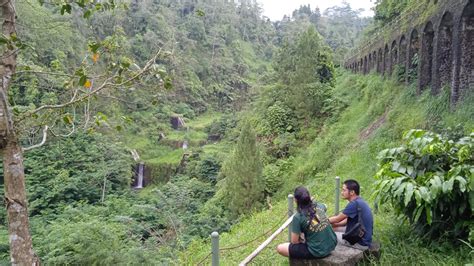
(433,43)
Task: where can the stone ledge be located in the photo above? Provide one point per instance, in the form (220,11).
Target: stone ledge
(341,256)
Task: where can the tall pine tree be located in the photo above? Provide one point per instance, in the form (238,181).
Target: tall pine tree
(243,183)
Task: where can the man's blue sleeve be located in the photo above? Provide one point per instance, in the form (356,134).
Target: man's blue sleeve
(350,210)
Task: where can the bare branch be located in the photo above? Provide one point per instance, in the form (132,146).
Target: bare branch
(45,134)
(43,73)
(87,114)
(106,84)
(6,55)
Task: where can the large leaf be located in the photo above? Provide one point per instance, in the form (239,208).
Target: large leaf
(462,183)
(436,185)
(395,165)
(408,193)
(429,215)
(410,171)
(471,200)
(418,212)
(417,197)
(400,190)
(448,185)
(397,182)
(425,195)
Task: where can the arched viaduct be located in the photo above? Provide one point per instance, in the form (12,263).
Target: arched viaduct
(435,49)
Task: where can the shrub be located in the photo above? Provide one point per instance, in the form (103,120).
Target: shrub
(430,179)
(73,169)
(222,126)
(278,118)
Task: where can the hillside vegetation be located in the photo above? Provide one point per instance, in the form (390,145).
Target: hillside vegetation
(226,111)
(378,112)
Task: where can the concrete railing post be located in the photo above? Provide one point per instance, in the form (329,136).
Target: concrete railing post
(215,248)
(291,210)
(336,205)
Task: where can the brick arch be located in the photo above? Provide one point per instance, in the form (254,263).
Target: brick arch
(466,71)
(374,60)
(394,55)
(413,55)
(365,65)
(369,65)
(426,58)
(379,61)
(444,58)
(386,60)
(402,57)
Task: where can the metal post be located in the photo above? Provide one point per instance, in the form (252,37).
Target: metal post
(291,210)
(338,185)
(215,248)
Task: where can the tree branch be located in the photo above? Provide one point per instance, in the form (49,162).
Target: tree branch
(105,84)
(43,73)
(45,134)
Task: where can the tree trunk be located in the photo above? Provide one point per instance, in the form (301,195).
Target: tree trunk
(21,248)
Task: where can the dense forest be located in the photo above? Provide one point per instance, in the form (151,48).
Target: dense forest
(148,125)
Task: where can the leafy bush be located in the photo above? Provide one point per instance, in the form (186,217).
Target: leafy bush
(304,68)
(206,169)
(278,118)
(222,126)
(430,179)
(209,169)
(180,201)
(92,242)
(75,169)
(271,175)
(185,110)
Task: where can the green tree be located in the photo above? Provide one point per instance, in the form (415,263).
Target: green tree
(90,78)
(242,172)
(387,10)
(305,68)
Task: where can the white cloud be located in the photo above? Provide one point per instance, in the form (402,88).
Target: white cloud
(276,9)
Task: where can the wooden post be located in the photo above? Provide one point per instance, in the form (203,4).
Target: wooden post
(291,210)
(215,248)
(338,185)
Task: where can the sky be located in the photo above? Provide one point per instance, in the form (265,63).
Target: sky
(275,9)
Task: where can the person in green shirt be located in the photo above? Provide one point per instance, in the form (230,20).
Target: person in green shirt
(312,235)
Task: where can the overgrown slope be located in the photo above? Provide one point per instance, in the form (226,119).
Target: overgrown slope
(378,112)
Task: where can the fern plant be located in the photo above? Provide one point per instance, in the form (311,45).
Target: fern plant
(430,180)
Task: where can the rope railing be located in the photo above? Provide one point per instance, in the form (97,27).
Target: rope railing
(244,243)
(259,249)
(215,236)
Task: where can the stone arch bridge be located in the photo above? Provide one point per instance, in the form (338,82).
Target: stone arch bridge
(433,44)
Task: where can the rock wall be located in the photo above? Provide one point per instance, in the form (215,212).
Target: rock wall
(434,45)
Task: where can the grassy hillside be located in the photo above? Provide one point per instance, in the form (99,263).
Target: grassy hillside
(378,112)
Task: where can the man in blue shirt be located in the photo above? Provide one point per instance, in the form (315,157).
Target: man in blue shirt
(345,221)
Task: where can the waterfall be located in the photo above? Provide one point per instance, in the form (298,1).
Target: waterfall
(185,145)
(135,155)
(141,167)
